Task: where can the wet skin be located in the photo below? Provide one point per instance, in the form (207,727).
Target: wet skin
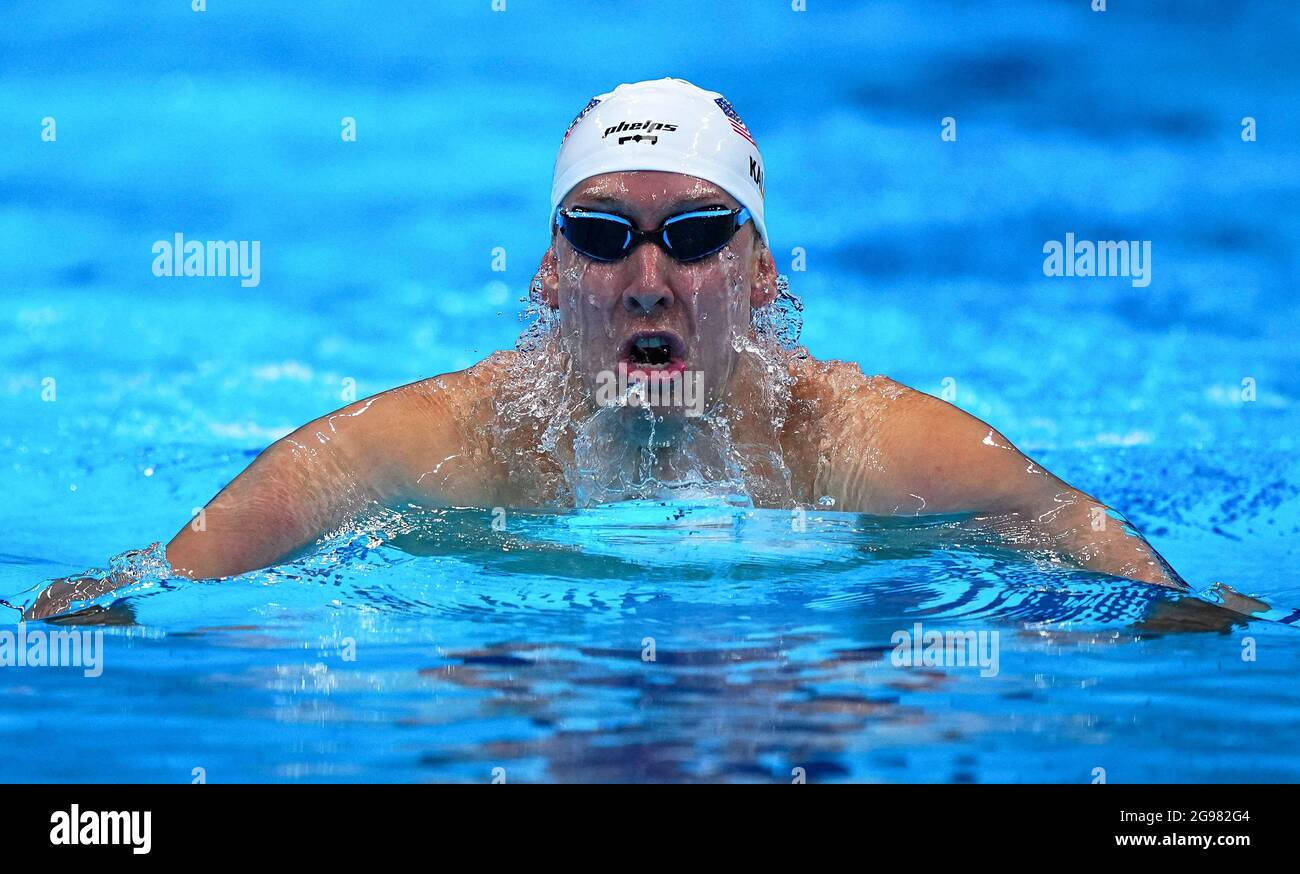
(866,442)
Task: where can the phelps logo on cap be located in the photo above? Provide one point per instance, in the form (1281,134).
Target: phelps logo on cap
(663,124)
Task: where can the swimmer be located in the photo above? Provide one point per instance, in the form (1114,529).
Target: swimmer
(655,368)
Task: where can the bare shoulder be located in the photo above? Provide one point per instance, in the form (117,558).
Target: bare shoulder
(432,435)
(883,444)
(834,412)
(414,411)
(470,385)
(840,390)
(843,393)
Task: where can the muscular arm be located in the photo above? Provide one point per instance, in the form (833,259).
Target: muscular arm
(408,443)
(902,452)
(416,442)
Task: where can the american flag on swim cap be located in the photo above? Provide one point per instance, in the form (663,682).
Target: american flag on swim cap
(736,124)
(586,109)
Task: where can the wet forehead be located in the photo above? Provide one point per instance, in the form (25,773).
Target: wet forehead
(645,196)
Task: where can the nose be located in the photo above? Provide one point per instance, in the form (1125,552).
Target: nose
(646,302)
(648,291)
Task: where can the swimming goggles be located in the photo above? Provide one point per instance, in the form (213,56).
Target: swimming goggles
(689,236)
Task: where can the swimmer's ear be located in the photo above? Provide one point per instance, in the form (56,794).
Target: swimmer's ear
(762,290)
(546,282)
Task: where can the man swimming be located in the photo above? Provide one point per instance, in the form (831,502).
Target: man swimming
(655,371)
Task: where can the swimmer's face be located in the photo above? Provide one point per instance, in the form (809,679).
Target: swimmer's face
(648,314)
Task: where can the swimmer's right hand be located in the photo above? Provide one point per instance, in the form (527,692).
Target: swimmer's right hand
(60,594)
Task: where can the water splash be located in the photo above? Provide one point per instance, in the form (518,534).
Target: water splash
(129,572)
(782,319)
(559,448)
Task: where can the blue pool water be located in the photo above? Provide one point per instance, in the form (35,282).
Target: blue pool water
(525,650)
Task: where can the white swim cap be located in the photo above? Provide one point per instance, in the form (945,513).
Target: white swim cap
(663,124)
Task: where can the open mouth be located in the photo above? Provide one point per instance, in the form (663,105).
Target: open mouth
(654,352)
